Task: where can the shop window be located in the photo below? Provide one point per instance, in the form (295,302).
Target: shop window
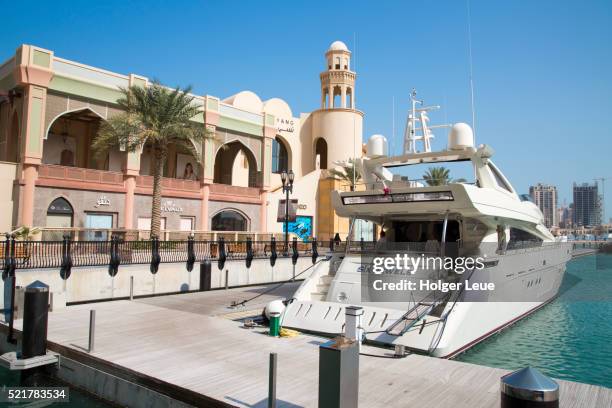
(144,223)
(98,225)
(60,215)
(229,220)
(187,224)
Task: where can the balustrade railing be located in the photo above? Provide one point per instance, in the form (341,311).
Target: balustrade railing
(16,254)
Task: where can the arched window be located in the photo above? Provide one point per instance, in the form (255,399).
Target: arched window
(280,157)
(59,213)
(321,154)
(229,220)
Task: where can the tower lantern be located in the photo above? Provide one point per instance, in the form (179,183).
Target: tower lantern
(338,81)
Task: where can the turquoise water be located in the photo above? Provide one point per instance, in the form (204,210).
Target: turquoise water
(570,338)
(77,399)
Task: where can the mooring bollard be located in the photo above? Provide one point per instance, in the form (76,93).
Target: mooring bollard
(272,381)
(226,279)
(529,388)
(131,288)
(274,324)
(35,318)
(339,374)
(205,274)
(352,324)
(92,329)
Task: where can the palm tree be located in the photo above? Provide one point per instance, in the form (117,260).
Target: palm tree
(159,116)
(347,172)
(437,176)
(24,233)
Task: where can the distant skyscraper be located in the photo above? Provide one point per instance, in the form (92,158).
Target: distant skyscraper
(587,205)
(564,217)
(545,197)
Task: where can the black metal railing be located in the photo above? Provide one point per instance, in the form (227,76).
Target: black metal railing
(65,254)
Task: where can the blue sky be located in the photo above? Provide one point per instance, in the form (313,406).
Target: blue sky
(542,69)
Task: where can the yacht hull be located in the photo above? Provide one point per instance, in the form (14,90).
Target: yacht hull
(525,281)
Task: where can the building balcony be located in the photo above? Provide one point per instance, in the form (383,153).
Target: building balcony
(51,175)
(169,183)
(225,192)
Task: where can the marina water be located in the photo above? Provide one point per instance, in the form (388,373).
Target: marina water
(570,338)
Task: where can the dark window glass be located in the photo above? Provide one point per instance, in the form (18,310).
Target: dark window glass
(280,158)
(522,239)
(229,221)
(59,206)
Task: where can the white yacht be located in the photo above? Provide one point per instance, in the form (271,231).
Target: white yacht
(485,219)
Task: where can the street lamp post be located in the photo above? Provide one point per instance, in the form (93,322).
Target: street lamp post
(287,179)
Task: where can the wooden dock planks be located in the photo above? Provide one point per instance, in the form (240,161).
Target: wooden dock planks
(185,340)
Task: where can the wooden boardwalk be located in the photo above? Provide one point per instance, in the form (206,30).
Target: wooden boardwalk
(185,340)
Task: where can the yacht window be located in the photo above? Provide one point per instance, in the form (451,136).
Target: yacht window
(499,179)
(423,231)
(522,239)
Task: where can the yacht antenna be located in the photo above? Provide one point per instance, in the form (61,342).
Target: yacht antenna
(471,70)
(419,115)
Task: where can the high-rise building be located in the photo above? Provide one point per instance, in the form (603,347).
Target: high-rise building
(587,205)
(545,197)
(564,218)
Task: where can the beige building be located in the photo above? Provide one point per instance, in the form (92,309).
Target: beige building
(51,108)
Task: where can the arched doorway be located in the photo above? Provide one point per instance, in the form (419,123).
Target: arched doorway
(235,165)
(321,154)
(180,162)
(230,220)
(280,156)
(69,139)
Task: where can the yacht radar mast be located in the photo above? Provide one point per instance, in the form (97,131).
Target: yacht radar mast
(419,116)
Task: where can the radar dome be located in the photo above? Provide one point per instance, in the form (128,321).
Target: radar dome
(377,146)
(460,137)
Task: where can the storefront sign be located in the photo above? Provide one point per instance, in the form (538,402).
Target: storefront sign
(285,125)
(170,206)
(302,206)
(102,201)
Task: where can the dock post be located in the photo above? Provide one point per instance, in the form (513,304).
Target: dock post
(352,327)
(35,318)
(131,288)
(226,279)
(339,374)
(92,329)
(272,381)
(205,274)
(528,387)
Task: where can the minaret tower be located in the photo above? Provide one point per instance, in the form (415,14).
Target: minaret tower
(336,134)
(337,125)
(338,81)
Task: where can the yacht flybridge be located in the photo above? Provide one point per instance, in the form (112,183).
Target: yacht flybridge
(516,264)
